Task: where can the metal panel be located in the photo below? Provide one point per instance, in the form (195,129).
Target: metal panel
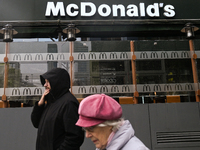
(138,115)
(87,145)
(16,130)
(175,126)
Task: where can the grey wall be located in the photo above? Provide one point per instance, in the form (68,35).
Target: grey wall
(174,126)
(16,130)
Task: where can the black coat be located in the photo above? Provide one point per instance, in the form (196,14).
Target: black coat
(56,120)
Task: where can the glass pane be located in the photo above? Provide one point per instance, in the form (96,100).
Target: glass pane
(2,47)
(179,71)
(27,61)
(102,67)
(148,65)
(1,75)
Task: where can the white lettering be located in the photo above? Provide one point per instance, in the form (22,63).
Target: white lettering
(132,11)
(69,9)
(142,10)
(51,8)
(169,11)
(104,10)
(153,10)
(121,8)
(85,5)
(88,9)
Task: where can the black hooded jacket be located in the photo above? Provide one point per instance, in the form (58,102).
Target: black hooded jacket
(57,118)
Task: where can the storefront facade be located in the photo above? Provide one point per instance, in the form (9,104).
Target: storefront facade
(133,51)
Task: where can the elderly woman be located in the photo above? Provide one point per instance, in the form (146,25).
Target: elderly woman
(100,116)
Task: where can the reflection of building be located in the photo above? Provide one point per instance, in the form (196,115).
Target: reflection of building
(81,68)
(52,48)
(1,75)
(14,75)
(110,72)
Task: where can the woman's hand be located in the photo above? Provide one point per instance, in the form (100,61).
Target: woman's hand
(42,100)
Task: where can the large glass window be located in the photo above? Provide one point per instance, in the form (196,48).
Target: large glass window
(102,67)
(162,68)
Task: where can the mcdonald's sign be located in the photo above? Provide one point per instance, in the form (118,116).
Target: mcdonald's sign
(174,55)
(102,56)
(188,87)
(104,89)
(123,55)
(115,89)
(60,57)
(27,91)
(81,56)
(125,88)
(113,55)
(164,55)
(17,57)
(93,89)
(82,90)
(49,57)
(184,55)
(15,91)
(28,57)
(157,87)
(38,57)
(178,87)
(154,55)
(143,55)
(146,88)
(167,87)
(92,56)
(37,91)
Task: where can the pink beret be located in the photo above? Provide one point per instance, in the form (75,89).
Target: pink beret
(96,109)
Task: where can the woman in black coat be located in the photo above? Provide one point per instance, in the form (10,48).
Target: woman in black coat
(56,118)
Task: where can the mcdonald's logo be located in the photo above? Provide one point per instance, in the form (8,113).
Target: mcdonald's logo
(27,91)
(143,55)
(167,87)
(184,55)
(93,89)
(154,55)
(17,57)
(28,57)
(178,87)
(113,55)
(39,57)
(146,88)
(123,55)
(92,56)
(114,89)
(60,57)
(81,56)
(49,57)
(157,87)
(82,90)
(188,87)
(102,56)
(174,55)
(104,89)
(125,88)
(37,91)
(15,92)
(164,55)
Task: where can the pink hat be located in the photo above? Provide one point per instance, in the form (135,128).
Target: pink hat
(96,109)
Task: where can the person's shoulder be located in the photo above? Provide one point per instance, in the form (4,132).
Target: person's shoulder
(135,144)
(69,98)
